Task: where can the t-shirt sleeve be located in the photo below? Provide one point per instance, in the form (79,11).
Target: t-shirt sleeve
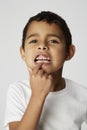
(15,107)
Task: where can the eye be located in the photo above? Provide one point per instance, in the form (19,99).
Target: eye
(33,41)
(53,41)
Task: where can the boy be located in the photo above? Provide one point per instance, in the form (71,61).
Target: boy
(47,101)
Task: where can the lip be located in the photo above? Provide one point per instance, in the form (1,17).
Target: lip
(43,58)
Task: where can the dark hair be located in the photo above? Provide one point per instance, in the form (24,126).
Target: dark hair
(50,17)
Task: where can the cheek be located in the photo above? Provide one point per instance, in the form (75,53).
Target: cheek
(59,59)
(60,53)
(28,57)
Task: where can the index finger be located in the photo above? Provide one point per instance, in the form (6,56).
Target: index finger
(36,68)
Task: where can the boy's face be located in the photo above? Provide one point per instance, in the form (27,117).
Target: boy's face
(44,44)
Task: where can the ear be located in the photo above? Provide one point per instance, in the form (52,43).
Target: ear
(71,52)
(22,53)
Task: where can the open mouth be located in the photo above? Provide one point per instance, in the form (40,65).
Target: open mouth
(42,59)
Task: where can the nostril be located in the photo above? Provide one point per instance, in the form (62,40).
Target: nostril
(44,48)
(39,48)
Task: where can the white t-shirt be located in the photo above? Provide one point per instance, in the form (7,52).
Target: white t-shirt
(63,110)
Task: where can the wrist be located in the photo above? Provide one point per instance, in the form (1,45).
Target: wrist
(38,99)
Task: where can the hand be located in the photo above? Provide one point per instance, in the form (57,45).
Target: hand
(40,81)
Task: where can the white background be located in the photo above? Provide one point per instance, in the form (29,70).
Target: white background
(13,17)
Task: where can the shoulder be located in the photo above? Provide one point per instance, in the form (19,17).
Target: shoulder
(22,84)
(74,85)
(79,91)
(19,88)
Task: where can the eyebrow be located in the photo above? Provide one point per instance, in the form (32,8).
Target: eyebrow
(32,35)
(49,35)
(55,35)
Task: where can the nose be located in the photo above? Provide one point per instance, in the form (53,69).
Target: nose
(42,47)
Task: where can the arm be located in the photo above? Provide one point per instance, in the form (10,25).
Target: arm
(40,85)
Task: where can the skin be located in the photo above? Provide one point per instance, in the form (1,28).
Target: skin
(42,40)
(55,46)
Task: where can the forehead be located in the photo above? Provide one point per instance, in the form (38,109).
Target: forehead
(43,27)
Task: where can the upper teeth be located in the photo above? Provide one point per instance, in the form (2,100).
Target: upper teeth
(41,57)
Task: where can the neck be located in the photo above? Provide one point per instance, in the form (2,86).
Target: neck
(58,81)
